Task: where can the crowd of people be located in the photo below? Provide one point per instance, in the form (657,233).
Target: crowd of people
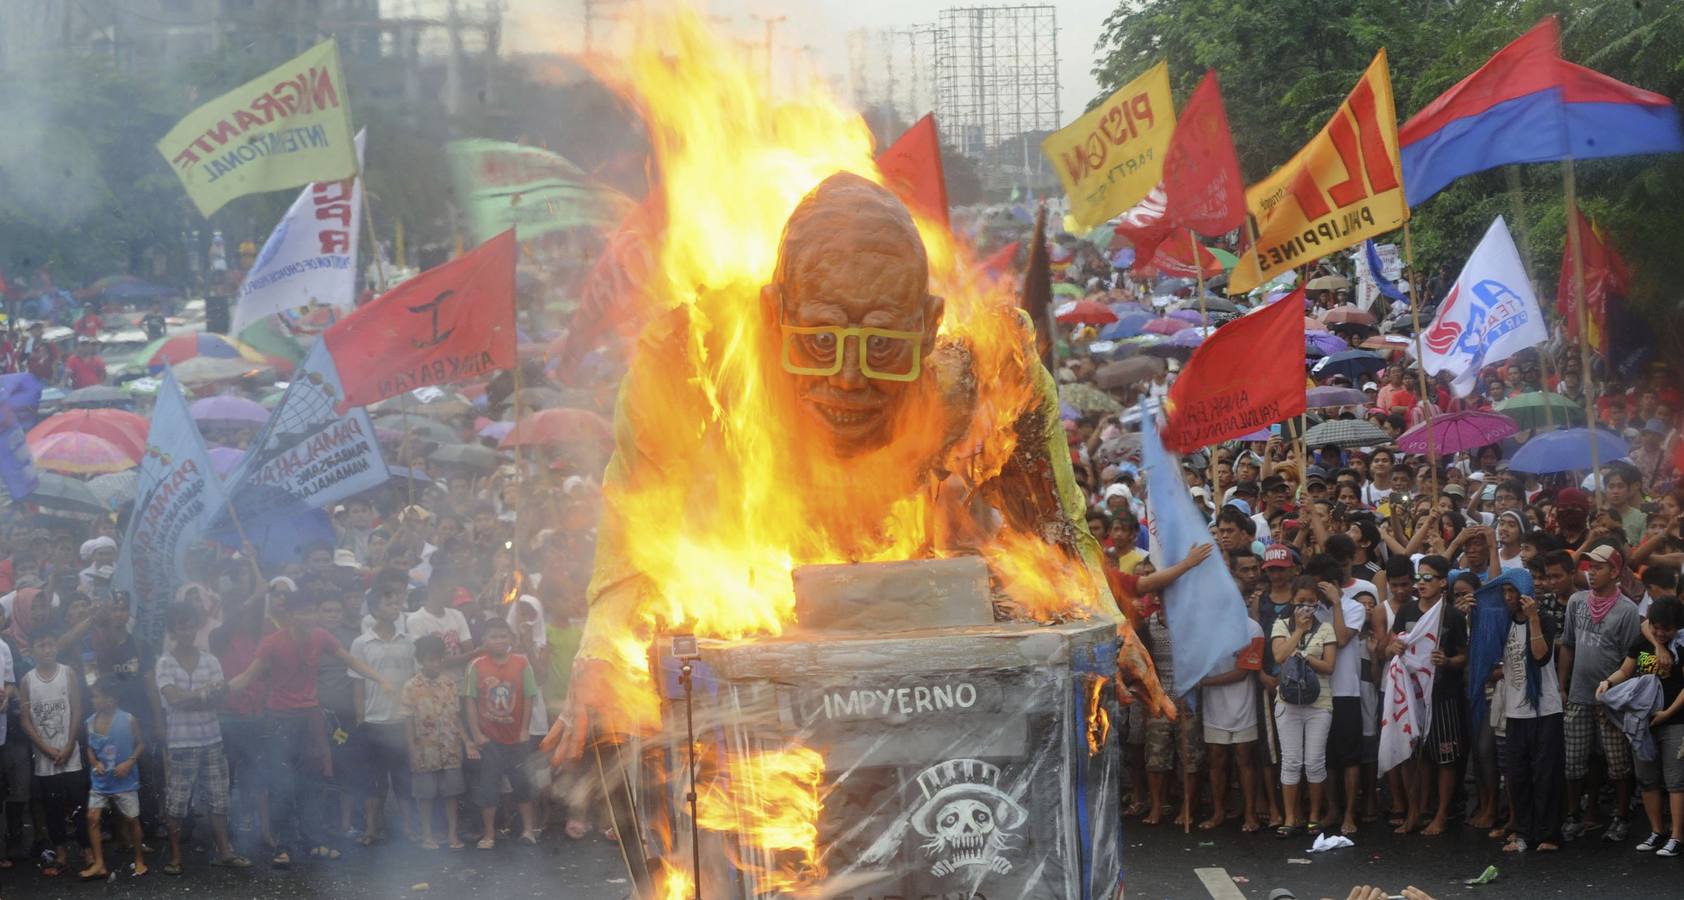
(1553,712)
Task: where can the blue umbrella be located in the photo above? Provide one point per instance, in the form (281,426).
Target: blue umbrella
(1353,364)
(1567,450)
(1321,343)
(22,392)
(1127,325)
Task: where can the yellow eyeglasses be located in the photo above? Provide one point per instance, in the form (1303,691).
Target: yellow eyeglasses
(884,354)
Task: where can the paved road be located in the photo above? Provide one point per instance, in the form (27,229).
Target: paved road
(1162,863)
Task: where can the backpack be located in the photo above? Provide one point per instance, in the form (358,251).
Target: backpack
(1299,685)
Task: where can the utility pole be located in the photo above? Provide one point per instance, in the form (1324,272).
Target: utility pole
(771,23)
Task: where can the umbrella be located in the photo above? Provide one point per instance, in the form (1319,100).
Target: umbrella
(395,472)
(1085,312)
(1328,283)
(1188,338)
(1353,364)
(228,410)
(559,426)
(1312,324)
(121,427)
(1088,399)
(424,428)
(467,456)
(1066,289)
(1188,315)
(1567,450)
(22,392)
(202,370)
(1527,410)
(1346,433)
(224,459)
(1387,343)
(1348,315)
(1456,432)
(179,348)
(115,489)
(428,401)
(75,453)
(97,397)
(1165,326)
(1331,397)
(1124,307)
(496,430)
(1128,324)
(1212,304)
(1126,372)
(1320,343)
(65,494)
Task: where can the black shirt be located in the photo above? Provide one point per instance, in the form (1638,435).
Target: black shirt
(1672,679)
(1452,640)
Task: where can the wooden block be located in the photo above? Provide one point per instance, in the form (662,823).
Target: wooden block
(908,595)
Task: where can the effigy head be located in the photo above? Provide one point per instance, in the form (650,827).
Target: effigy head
(855,316)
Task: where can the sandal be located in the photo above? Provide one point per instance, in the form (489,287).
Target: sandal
(487,843)
(231,861)
(174,869)
(53,871)
(457,845)
(1289,831)
(429,845)
(529,838)
(324,852)
(280,860)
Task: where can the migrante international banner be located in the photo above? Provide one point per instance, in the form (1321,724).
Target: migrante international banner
(529,189)
(454,322)
(1344,186)
(177,498)
(1247,375)
(285,128)
(1114,154)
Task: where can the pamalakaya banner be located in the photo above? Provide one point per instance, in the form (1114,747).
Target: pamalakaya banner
(1344,186)
(529,189)
(284,128)
(1114,154)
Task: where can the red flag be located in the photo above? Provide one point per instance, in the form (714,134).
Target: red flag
(614,295)
(912,169)
(1174,256)
(1606,280)
(999,261)
(454,322)
(1247,375)
(1201,173)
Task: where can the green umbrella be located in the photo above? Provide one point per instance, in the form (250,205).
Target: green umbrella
(1528,410)
(1088,399)
(1066,289)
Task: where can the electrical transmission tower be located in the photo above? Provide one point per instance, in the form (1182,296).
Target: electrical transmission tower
(997,78)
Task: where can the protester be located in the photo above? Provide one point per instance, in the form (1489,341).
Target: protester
(114,749)
(437,740)
(190,684)
(500,687)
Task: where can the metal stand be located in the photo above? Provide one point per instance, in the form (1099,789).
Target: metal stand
(690,750)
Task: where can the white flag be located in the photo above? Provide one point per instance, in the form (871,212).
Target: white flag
(311,256)
(1408,691)
(1488,316)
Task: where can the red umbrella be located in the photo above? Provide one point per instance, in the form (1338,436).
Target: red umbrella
(1087,312)
(559,426)
(74,453)
(1347,315)
(119,426)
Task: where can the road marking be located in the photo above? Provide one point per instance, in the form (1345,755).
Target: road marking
(1219,884)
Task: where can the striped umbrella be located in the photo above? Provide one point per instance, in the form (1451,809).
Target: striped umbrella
(74,453)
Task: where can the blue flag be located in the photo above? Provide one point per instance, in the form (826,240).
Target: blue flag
(1377,272)
(1205,611)
(308,455)
(17,466)
(177,497)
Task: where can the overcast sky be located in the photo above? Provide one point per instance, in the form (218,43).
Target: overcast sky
(824,25)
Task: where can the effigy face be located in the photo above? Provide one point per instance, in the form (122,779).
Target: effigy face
(855,316)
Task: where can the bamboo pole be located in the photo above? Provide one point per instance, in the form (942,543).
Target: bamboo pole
(373,241)
(1204,322)
(1575,244)
(1420,357)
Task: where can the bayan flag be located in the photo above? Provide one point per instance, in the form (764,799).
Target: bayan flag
(282,129)
(1489,315)
(1606,281)
(176,499)
(308,455)
(310,259)
(1206,614)
(1245,376)
(1527,105)
(1342,187)
(1201,174)
(911,168)
(1112,156)
(1407,712)
(529,189)
(1173,257)
(455,322)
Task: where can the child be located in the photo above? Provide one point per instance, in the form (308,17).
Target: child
(390,652)
(500,686)
(52,716)
(432,727)
(114,749)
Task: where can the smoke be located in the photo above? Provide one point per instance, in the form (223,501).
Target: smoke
(50,172)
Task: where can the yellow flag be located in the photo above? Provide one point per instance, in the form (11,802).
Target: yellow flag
(286,128)
(1345,185)
(1114,154)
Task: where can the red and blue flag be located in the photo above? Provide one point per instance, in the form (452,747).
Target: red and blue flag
(1527,105)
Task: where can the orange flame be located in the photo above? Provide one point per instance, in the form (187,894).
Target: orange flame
(770,801)
(1098,718)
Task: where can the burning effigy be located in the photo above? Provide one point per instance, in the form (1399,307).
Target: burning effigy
(848,635)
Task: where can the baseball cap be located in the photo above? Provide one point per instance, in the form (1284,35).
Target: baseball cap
(1273,482)
(1456,490)
(1315,473)
(1277,557)
(1603,553)
(1128,470)
(1572,497)
(1370,386)
(1655,426)
(1240,505)
(1246,488)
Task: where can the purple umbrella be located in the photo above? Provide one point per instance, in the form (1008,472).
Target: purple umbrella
(497,430)
(1330,397)
(1188,315)
(1165,326)
(227,409)
(1187,338)
(1321,343)
(224,459)
(1124,307)
(1457,432)
(1261,434)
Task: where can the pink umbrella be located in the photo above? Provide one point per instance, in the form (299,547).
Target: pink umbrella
(75,453)
(1456,432)
(229,410)
(1166,326)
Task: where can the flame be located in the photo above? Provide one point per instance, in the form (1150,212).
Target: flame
(769,800)
(1098,718)
(676,884)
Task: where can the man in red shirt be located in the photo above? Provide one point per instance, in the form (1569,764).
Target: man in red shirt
(89,325)
(287,660)
(85,369)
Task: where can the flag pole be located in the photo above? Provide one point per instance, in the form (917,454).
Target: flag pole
(228,503)
(1576,245)
(373,241)
(1420,357)
(1204,322)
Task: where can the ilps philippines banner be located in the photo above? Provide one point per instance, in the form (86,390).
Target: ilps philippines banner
(1489,315)
(310,257)
(1345,185)
(176,499)
(529,189)
(284,128)
(1114,154)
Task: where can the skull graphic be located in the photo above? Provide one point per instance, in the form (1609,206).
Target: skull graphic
(965,817)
